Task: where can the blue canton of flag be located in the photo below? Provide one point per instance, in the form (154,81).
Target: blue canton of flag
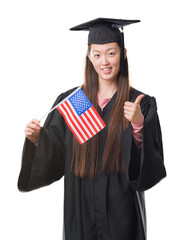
(80,102)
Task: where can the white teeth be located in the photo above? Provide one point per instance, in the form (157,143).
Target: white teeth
(106,69)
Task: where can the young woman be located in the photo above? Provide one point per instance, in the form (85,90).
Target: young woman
(105,177)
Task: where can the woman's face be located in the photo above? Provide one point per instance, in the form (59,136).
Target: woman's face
(106,60)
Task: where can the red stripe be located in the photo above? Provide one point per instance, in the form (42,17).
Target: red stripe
(90,122)
(102,122)
(77,120)
(69,123)
(87,126)
(75,126)
(94,119)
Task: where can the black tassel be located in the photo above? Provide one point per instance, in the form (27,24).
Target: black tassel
(122,58)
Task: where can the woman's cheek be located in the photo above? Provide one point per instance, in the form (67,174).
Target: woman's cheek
(96,67)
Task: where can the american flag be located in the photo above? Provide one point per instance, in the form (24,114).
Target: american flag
(80,115)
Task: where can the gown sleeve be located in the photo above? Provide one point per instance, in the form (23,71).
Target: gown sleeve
(145,168)
(44,164)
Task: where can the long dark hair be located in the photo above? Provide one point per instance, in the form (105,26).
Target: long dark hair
(85,156)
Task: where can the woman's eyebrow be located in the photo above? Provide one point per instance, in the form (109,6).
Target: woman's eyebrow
(105,50)
(95,51)
(111,49)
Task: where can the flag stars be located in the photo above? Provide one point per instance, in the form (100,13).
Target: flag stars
(80,102)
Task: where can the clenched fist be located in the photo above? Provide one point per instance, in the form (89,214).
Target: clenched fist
(32,131)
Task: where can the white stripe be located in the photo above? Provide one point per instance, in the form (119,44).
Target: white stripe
(81,131)
(95,116)
(89,124)
(79,119)
(92,121)
(71,124)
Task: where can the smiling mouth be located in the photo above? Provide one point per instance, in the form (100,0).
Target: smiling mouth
(107,70)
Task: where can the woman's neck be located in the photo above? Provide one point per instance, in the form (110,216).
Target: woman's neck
(106,88)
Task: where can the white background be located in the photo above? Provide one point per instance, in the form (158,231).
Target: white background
(40,58)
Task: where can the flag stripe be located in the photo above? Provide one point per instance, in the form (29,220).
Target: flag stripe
(74,122)
(89,115)
(83,123)
(98,116)
(94,119)
(68,123)
(77,128)
(93,128)
(87,124)
(62,111)
(77,119)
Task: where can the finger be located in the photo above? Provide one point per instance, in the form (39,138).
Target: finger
(33,126)
(28,133)
(138,99)
(29,130)
(130,108)
(127,103)
(35,121)
(127,117)
(128,113)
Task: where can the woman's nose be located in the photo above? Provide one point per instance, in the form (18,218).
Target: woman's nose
(105,60)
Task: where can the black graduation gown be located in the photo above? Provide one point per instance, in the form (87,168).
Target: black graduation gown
(110,207)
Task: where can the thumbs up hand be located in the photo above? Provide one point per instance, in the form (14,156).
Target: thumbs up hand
(132,110)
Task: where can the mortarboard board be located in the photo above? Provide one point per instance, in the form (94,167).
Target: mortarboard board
(106,30)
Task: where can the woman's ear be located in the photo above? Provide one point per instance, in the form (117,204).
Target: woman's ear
(125,52)
(89,56)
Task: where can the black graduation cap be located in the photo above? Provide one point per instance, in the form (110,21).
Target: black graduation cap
(106,30)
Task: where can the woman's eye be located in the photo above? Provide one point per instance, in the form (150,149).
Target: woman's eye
(96,55)
(111,54)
